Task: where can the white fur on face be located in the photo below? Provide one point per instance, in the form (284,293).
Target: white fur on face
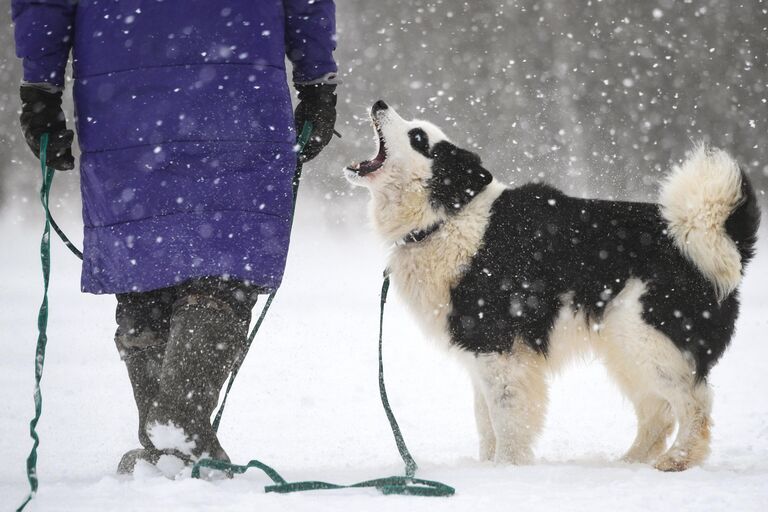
(400,200)
(423,273)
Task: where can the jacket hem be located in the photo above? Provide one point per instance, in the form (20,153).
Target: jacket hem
(159,252)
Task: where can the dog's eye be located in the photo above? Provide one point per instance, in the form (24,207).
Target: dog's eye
(419,141)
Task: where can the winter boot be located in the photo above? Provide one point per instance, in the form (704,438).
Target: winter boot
(141,338)
(144,367)
(207,335)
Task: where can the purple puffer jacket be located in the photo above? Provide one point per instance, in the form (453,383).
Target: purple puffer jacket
(185,124)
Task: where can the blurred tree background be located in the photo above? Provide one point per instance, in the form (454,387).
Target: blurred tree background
(599,97)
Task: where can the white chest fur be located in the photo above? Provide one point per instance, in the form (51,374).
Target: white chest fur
(425,272)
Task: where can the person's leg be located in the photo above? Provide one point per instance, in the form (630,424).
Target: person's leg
(208,329)
(143,321)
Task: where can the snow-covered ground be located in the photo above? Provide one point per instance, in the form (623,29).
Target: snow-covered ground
(307,403)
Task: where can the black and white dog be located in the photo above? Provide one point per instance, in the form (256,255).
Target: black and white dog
(519,280)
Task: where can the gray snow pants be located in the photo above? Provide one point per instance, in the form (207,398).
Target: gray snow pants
(179,344)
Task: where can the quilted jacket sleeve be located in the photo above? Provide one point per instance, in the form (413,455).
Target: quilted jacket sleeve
(43,32)
(310,38)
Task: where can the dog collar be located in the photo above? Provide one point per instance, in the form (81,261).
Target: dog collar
(418,235)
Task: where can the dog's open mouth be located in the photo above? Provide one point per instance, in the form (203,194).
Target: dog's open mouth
(368,166)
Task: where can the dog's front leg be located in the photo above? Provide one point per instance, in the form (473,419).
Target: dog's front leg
(484,425)
(515,391)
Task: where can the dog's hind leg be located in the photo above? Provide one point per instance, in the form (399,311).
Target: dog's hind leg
(484,425)
(691,403)
(655,424)
(655,421)
(515,389)
(659,379)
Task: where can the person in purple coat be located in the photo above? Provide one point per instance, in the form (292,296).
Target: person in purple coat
(188,149)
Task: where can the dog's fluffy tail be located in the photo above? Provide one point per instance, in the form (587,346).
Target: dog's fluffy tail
(712,214)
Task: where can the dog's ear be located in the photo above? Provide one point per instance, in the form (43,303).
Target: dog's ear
(457,176)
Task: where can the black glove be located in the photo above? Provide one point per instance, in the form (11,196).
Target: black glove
(317,104)
(41,113)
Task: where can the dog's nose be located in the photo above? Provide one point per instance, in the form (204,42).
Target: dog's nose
(378,106)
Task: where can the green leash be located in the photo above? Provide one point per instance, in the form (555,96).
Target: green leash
(48,174)
(306,131)
(42,322)
(402,485)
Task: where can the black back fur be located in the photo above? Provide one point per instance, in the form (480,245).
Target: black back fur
(541,246)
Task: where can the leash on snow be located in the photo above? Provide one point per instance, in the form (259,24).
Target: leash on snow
(402,485)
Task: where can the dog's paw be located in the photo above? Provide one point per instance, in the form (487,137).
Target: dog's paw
(633,457)
(673,460)
(517,457)
(487,451)
(643,454)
